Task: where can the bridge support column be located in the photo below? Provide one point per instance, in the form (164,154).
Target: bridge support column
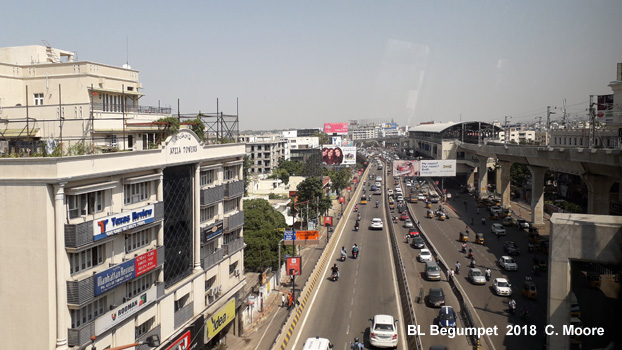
(503,183)
(471,179)
(598,189)
(482,177)
(537,194)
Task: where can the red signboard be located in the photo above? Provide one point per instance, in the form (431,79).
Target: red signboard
(328,221)
(355,180)
(342,200)
(348,188)
(182,343)
(293,265)
(336,128)
(146,262)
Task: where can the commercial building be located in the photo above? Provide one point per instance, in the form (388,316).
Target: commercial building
(45,95)
(265,152)
(122,245)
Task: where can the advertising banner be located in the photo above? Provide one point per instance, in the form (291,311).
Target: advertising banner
(438,167)
(219,320)
(124,311)
(336,128)
(293,265)
(146,262)
(328,221)
(212,231)
(336,140)
(189,339)
(332,155)
(109,279)
(111,225)
(406,168)
(391,126)
(308,235)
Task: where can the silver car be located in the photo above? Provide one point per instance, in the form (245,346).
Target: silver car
(476,276)
(498,229)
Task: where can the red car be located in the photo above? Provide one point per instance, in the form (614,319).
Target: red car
(404,216)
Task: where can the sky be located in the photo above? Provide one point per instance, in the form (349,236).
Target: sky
(300,64)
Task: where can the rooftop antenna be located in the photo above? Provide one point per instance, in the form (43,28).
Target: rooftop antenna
(127,53)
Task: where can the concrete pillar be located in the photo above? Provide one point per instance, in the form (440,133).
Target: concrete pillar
(537,194)
(197,217)
(160,238)
(471,179)
(61,257)
(503,183)
(598,193)
(482,177)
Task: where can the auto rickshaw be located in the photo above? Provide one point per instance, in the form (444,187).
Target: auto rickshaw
(479,238)
(441,216)
(363,199)
(506,213)
(593,279)
(391,205)
(540,264)
(464,237)
(529,289)
(494,216)
(480,203)
(508,221)
(428,205)
(430,214)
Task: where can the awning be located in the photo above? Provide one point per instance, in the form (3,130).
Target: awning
(115,91)
(143,178)
(91,188)
(18,133)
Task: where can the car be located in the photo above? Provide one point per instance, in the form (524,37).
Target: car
(378,184)
(404,216)
(408,184)
(476,276)
(434,199)
(522,224)
(508,221)
(511,248)
(424,255)
(383,331)
(400,198)
(432,271)
(317,343)
(373,188)
(438,347)
(421,197)
(436,297)
(378,192)
(390,192)
(447,317)
(376,224)
(495,209)
(502,287)
(408,223)
(507,263)
(417,242)
(498,229)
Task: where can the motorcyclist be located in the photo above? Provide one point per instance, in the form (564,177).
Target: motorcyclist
(463,247)
(356,345)
(377,204)
(355,249)
(524,312)
(483,221)
(472,262)
(356,226)
(335,269)
(470,253)
(458,267)
(358,217)
(488,274)
(512,305)
(343,251)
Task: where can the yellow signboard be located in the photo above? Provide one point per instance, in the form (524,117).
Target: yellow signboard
(219,320)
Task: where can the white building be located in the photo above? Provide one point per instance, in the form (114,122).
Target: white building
(517,135)
(265,152)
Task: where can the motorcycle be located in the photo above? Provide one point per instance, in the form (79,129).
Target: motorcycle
(358,217)
(355,255)
(470,256)
(356,208)
(376,204)
(512,308)
(487,276)
(463,249)
(525,315)
(343,257)
(356,227)
(334,276)
(472,264)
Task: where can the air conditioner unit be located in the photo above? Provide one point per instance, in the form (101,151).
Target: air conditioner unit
(219,289)
(210,292)
(237,273)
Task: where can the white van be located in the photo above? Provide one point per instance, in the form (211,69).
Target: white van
(317,343)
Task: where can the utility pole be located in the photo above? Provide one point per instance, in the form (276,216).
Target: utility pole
(506,129)
(548,123)
(592,122)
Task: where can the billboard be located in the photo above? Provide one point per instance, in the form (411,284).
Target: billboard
(405,168)
(438,167)
(336,128)
(332,155)
(391,126)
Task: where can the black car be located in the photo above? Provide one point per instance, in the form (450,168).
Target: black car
(436,297)
(511,248)
(417,242)
(522,224)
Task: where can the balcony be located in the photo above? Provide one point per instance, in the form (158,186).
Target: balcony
(234,189)
(79,235)
(82,335)
(184,314)
(83,291)
(212,195)
(234,246)
(211,260)
(131,109)
(234,221)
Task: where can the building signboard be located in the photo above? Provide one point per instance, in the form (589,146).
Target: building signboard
(114,224)
(293,265)
(212,231)
(189,339)
(111,278)
(438,168)
(125,310)
(389,126)
(406,168)
(146,262)
(332,155)
(219,320)
(336,128)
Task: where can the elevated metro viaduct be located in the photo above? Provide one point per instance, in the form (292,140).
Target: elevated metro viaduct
(472,145)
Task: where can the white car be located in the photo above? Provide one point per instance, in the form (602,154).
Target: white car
(498,229)
(477,276)
(378,184)
(421,197)
(408,184)
(390,192)
(408,223)
(376,224)
(383,331)
(495,209)
(507,263)
(424,255)
(400,198)
(502,287)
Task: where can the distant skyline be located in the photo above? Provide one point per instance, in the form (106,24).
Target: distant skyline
(302,64)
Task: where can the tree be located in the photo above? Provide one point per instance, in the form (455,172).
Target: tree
(198,127)
(280,174)
(171,128)
(322,137)
(310,190)
(293,167)
(519,174)
(263,229)
(246,172)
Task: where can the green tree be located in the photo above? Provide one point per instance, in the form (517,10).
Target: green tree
(198,127)
(171,128)
(263,229)
(324,139)
(519,174)
(246,173)
(293,167)
(280,174)
(310,190)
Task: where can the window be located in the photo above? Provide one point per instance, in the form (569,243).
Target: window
(139,285)
(231,205)
(38,99)
(137,240)
(209,283)
(181,302)
(231,172)
(139,192)
(233,267)
(88,312)
(86,259)
(208,213)
(85,204)
(207,177)
(145,327)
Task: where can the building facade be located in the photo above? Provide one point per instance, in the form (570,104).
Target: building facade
(47,96)
(265,152)
(121,246)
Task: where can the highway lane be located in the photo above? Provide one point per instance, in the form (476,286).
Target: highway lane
(341,310)
(492,309)
(425,314)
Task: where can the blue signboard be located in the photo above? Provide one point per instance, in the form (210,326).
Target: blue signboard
(111,278)
(289,235)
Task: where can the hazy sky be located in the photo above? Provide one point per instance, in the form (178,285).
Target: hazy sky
(297,64)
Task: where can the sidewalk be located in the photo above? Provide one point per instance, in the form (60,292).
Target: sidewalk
(265,326)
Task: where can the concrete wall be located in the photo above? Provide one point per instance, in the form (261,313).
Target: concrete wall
(595,238)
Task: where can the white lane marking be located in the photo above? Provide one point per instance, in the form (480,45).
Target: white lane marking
(352,302)
(355,280)
(348,330)
(350,314)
